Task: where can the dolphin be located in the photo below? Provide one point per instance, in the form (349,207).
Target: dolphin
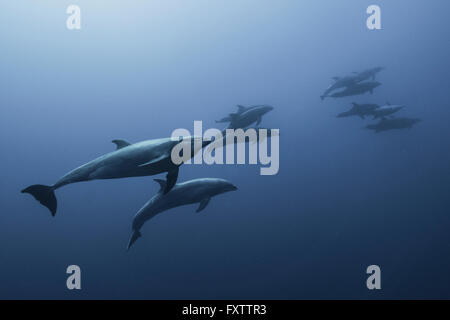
(360,110)
(340,82)
(144,158)
(189,192)
(246,118)
(391,124)
(355,89)
(241,109)
(369,73)
(386,110)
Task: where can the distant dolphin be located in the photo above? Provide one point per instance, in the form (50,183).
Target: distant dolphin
(369,73)
(340,82)
(246,118)
(359,88)
(391,124)
(241,109)
(386,110)
(144,158)
(189,192)
(360,110)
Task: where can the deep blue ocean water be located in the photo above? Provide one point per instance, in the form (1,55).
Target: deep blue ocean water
(344,198)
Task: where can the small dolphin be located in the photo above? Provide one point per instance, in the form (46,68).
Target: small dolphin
(369,73)
(386,110)
(360,110)
(144,158)
(359,88)
(246,118)
(189,192)
(241,109)
(391,124)
(340,82)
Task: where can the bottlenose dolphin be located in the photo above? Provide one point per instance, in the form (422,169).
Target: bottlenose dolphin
(144,158)
(340,82)
(246,118)
(360,110)
(356,89)
(241,109)
(189,192)
(391,124)
(369,73)
(386,110)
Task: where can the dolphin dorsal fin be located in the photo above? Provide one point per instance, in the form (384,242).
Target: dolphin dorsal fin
(162,184)
(241,108)
(388,103)
(121,144)
(335,78)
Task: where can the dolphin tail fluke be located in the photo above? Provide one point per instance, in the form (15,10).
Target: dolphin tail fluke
(134,236)
(44,194)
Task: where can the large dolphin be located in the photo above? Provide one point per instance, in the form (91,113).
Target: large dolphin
(386,110)
(189,192)
(360,110)
(246,118)
(340,82)
(355,89)
(391,124)
(369,73)
(144,158)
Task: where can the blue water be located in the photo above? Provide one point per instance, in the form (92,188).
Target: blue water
(344,198)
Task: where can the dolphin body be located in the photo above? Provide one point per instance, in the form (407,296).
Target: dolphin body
(341,82)
(360,110)
(241,109)
(189,192)
(144,158)
(369,73)
(355,89)
(386,110)
(246,118)
(391,124)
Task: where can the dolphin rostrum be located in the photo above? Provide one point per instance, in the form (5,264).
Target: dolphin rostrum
(144,158)
(189,192)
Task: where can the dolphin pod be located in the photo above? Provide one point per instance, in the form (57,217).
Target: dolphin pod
(144,158)
(359,83)
(190,192)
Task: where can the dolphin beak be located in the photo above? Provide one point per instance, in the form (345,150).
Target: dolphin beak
(233,188)
(134,236)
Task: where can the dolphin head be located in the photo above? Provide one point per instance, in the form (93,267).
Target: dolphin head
(376,84)
(134,236)
(222,186)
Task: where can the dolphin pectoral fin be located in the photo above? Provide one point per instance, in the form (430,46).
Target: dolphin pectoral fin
(121,144)
(203,204)
(259,120)
(171,179)
(161,157)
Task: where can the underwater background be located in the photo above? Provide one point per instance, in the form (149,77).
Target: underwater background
(344,198)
